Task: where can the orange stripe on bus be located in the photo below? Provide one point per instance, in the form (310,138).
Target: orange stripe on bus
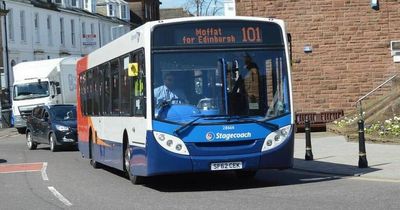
(98,140)
(82,65)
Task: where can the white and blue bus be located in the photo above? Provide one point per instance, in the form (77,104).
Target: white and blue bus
(189,95)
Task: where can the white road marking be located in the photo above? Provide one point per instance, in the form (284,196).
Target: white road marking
(44,174)
(59,196)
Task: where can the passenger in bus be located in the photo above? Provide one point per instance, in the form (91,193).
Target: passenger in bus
(245,95)
(251,80)
(168,92)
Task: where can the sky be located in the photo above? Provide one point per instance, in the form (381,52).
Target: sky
(172,3)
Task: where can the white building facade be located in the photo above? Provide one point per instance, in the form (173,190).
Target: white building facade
(46,29)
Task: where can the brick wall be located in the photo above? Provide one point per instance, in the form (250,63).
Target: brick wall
(351,47)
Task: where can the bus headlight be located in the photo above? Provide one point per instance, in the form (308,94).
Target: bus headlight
(171,143)
(276,138)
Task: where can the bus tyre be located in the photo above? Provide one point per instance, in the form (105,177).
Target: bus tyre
(29,141)
(245,174)
(52,141)
(127,166)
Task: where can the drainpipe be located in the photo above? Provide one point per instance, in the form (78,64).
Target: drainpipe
(6,51)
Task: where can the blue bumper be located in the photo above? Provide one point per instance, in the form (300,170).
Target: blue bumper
(155,160)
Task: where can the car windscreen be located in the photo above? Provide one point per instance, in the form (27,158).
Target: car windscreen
(63,112)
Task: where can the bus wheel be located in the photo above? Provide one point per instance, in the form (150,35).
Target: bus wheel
(127,163)
(245,174)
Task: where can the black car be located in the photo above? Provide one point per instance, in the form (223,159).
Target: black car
(52,124)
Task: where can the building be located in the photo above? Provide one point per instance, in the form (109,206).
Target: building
(341,49)
(143,11)
(113,8)
(44,29)
(173,13)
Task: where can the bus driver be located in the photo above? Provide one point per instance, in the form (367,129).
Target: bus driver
(168,92)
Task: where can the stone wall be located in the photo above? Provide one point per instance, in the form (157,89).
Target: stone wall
(351,48)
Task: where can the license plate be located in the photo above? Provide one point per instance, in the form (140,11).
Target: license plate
(226,166)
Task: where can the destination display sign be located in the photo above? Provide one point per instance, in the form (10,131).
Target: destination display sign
(208,33)
(220,36)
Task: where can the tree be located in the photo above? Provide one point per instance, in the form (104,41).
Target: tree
(204,7)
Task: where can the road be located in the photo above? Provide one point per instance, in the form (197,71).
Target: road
(64,180)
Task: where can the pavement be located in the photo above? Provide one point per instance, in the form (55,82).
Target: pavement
(8,132)
(333,155)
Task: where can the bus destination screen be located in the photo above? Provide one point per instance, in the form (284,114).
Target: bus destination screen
(209,33)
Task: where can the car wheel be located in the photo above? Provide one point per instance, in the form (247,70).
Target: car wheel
(21,130)
(127,163)
(52,142)
(29,141)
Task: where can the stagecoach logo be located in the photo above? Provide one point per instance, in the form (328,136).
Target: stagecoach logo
(210,136)
(227,136)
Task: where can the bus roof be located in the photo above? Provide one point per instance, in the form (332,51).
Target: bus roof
(140,37)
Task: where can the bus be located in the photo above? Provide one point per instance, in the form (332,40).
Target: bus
(230,108)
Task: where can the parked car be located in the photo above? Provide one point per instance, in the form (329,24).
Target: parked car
(52,124)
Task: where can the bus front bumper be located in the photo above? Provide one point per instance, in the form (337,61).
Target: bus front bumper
(157,161)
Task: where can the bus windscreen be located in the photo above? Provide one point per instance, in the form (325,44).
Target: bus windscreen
(211,33)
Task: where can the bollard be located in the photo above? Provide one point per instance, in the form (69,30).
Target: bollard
(362,161)
(307,129)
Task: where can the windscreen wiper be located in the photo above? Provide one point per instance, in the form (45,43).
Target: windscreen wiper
(184,126)
(263,122)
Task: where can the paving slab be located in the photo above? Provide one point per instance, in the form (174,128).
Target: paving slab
(333,154)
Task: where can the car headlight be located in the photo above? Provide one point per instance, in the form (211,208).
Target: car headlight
(171,143)
(62,128)
(276,138)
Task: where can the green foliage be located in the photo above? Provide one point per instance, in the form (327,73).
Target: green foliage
(390,127)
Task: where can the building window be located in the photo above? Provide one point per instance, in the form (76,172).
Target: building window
(36,25)
(58,1)
(123,12)
(92,28)
(49,30)
(73,42)
(83,29)
(11,25)
(62,33)
(103,34)
(74,3)
(86,5)
(22,25)
(111,10)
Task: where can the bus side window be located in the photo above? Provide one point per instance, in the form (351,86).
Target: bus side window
(115,65)
(82,91)
(125,84)
(96,93)
(139,85)
(107,90)
(89,93)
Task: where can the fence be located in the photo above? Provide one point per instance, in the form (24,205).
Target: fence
(318,120)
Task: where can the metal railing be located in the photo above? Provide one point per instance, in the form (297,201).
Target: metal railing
(359,101)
